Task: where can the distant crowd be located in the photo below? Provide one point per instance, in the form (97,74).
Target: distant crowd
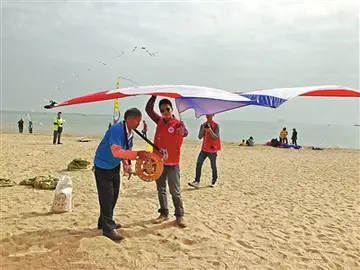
(58,129)
(21,126)
(283,139)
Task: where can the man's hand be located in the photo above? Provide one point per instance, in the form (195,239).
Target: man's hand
(180,130)
(127,168)
(164,153)
(142,154)
(207,128)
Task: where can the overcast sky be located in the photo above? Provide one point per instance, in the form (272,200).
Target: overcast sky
(240,46)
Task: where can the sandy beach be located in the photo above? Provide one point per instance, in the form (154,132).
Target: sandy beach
(273,209)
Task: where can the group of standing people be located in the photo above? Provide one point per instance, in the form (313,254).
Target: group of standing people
(21,126)
(116,148)
(58,123)
(283,136)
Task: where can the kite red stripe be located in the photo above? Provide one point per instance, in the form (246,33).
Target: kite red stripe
(101,96)
(332,93)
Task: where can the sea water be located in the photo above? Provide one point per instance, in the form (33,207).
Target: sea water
(342,136)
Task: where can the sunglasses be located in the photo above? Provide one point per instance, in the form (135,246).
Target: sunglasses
(166,109)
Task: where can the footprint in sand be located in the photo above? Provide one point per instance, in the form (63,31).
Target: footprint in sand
(322,236)
(352,256)
(244,244)
(32,251)
(189,241)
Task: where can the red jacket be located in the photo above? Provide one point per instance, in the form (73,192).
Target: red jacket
(210,144)
(167,138)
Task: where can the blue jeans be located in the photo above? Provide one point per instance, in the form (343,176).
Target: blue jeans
(200,161)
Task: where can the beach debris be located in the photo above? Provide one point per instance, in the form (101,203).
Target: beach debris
(41,182)
(63,196)
(83,139)
(6,182)
(79,164)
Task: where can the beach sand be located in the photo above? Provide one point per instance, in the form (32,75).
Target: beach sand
(273,209)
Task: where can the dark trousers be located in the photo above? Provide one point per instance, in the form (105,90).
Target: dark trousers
(108,187)
(294,141)
(172,175)
(21,129)
(200,161)
(144,133)
(284,140)
(57,136)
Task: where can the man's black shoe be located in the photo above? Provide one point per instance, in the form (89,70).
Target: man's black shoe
(118,226)
(114,235)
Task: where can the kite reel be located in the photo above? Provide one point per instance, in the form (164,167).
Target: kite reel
(149,169)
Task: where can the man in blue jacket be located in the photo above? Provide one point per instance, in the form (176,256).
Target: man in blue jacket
(114,148)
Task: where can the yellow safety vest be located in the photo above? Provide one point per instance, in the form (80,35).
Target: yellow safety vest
(57,123)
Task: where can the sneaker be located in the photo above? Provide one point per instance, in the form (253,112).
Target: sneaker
(160,219)
(213,184)
(181,222)
(194,184)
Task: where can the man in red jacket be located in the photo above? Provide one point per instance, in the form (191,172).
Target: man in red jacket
(210,133)
(169,136)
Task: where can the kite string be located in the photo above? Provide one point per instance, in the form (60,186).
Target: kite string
(103,63)
(52,94)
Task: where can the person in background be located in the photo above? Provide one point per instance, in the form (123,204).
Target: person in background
(169,136)
(283,136)
(294,137)
(30,126)
(243,143)
(250,141)
(21,125)
(58,128)
(114,148)
(210,134)
(144,130)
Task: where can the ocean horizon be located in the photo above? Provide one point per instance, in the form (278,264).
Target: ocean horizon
(80,124)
